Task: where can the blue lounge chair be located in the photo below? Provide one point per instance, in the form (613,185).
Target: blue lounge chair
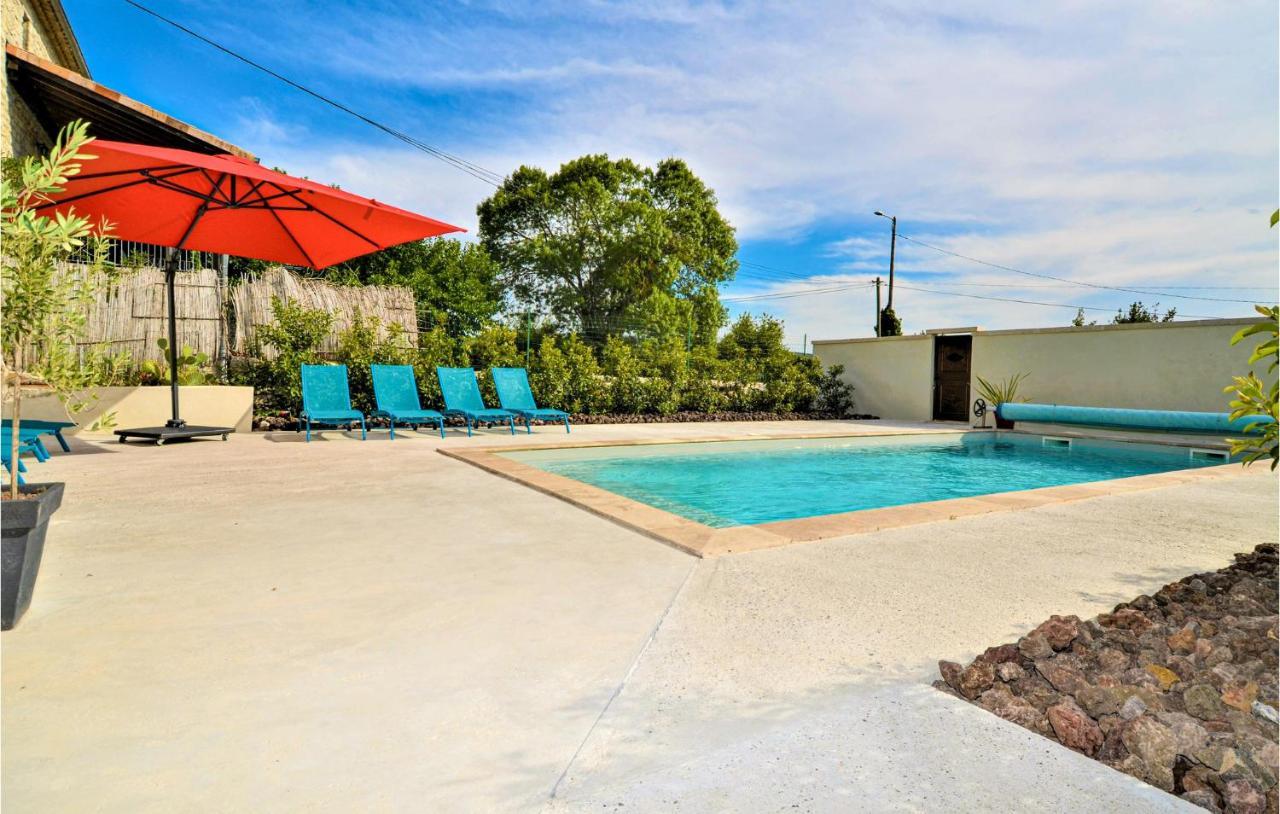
(4,459)
(462,397)
(512,384)
(28,443)
(396,390)
(33,428)
(326,398)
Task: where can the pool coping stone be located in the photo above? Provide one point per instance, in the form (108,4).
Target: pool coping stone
(701,540)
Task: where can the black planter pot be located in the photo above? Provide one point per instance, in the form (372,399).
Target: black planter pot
(1003,423)
(21,546)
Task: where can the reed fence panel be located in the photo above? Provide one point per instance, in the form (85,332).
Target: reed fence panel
(251,307)
(131,313)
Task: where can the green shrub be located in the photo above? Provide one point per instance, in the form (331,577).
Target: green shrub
(295,338)
(104,369)
(666,372)
(835,395)
(585,390)
(360,346)
(549,374)
(702,391)
(436,348)
(495,346)
(626,391)
(193,368)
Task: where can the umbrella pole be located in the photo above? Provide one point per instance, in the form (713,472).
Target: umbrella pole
(170,278)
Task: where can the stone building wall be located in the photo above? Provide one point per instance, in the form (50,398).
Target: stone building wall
(36,26)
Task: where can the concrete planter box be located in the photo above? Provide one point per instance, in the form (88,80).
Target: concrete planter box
(22,546)
(211,405)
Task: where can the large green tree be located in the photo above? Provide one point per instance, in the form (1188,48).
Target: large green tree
(454,284)
(607,247)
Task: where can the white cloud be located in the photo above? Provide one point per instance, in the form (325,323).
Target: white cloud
(1108,142)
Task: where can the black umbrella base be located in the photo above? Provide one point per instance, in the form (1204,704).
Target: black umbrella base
(161,435)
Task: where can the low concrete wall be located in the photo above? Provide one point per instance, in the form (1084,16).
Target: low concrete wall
(216,406)
(1154,366)
(891,377)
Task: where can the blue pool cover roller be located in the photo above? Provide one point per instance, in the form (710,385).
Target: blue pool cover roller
(1119,418)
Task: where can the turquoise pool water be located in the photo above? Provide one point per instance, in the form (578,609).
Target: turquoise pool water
(745,482)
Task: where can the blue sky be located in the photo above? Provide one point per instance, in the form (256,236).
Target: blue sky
(1130,145)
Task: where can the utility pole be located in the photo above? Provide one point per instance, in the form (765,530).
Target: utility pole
(877,324)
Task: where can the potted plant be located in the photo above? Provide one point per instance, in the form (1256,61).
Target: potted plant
(42,315)
(1254,401)
(1000,392)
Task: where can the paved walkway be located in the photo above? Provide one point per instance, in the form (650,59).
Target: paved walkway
(268,625)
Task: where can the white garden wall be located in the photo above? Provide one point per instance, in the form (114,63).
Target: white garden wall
(1159,366)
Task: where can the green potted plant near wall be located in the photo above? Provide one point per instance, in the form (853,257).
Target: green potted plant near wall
(995,394)
(42,315)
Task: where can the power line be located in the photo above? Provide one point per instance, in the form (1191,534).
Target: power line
(1064,279)
(834,289)
(1027,302)
(789,294)
(1073,285)
(785,272)
(470,168)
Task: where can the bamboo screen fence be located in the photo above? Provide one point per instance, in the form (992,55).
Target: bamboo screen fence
(251,306)
(130,314)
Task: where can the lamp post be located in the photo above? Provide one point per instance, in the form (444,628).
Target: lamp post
(893,245)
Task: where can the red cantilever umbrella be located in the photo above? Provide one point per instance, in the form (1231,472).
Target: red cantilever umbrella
(228,205)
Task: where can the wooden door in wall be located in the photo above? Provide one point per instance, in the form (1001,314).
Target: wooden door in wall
(951,364)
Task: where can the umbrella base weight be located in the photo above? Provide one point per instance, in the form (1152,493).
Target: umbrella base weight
(161,435)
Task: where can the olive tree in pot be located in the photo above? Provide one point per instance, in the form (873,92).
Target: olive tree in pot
(42,316)
(998,393)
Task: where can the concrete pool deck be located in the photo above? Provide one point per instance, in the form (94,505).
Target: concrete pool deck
(269,625)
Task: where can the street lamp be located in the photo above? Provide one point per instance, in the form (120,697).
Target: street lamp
(893,244)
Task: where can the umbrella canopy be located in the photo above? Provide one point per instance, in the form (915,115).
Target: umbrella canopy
(228,205)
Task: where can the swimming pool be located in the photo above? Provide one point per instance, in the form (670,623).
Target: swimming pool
(725,484)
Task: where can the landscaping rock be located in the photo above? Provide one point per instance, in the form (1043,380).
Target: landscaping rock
(951,673)
(1156,746)
(1035,646)
(1074,728)
(1003,654)
(1063,677)
(1241,797)
(1178,689)
(976,678)
(1203,798)
(1132,708)
(1203,702)
(1164,675)
(1059,631)
(1010,672)
(1126,619)
(1241,696)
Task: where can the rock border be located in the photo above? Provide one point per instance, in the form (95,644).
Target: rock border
(1178,689)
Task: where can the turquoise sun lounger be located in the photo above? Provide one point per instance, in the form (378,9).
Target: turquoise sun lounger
(462,397)
(26,444)
(396,390)
(512,384)
(33,428)
(326,398)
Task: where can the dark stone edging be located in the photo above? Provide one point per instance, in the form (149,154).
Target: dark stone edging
(1177,689)
(266,423)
